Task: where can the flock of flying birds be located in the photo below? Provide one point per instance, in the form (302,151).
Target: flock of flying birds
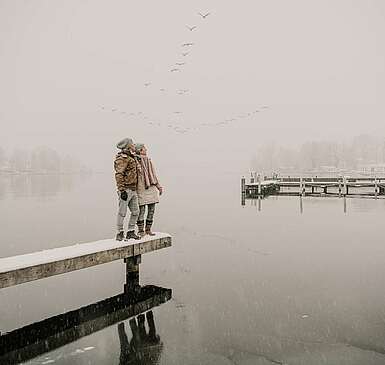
(177,67)
(177,127)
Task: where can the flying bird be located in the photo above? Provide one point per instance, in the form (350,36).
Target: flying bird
(191,28)
(182,91)
(180,63)
(185,54)
(175,70)
(187,44)
(162,89)
(147,84)
(204,16)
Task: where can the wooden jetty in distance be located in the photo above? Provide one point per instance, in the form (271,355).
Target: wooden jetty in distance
(38,265)
(336,186)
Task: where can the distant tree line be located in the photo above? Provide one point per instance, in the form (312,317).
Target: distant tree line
(38,160)
(361,151)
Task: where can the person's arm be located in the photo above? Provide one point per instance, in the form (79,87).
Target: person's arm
(120,166)
(160,189)
(158,186)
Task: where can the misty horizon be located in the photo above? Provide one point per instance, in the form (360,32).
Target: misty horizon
(318,66)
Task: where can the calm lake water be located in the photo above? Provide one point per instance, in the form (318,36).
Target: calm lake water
(250,285)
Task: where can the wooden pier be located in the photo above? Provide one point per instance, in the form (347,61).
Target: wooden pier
(38,265)
(313,186)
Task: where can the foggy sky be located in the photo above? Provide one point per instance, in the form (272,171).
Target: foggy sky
(318,65)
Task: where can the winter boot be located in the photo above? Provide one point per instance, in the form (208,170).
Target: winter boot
(120,236)
(148,228)
(131,234)
(140,225)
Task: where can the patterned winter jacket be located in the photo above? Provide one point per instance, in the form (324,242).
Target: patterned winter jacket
(126,171)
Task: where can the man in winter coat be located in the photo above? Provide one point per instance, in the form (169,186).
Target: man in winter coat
(126,176)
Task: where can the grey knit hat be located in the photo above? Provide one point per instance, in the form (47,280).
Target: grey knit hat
(124,143)
(138,147)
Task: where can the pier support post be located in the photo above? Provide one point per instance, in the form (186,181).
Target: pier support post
(300,186)
(325,189)
(243,185)
(300,204)
(132,272)
(259,185)
(339,187)
(243,200)
(346,189)
(376,188)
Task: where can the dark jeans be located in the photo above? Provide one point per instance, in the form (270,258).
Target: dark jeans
(150,212)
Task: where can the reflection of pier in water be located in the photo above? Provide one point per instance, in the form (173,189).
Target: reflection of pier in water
(47,335)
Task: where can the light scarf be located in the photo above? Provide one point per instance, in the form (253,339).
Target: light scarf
(148,171)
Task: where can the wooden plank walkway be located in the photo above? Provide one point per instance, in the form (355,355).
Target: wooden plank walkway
(49,334)
(24,268)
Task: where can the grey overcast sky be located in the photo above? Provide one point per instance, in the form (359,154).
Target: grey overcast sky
(317,64)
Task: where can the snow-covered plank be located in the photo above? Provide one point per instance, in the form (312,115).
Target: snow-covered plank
(37,265)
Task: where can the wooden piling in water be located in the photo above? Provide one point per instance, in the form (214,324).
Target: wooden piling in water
(132,272)
(376,188)
(243,185)
(345,186)
(300,186)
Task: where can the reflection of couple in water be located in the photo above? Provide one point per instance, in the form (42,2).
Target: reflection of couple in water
(144,347)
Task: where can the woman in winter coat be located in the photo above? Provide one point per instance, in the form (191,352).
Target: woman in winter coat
(148,189)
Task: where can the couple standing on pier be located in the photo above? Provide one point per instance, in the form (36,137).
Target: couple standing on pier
(138,187)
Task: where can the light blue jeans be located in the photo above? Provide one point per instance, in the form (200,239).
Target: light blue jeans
(132,204)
